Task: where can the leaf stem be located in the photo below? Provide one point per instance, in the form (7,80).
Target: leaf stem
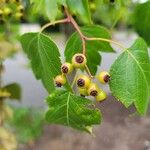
(88,72)
(68,87)
(105,40)
(74,80)
(53,23)
(71,20)
(76,26)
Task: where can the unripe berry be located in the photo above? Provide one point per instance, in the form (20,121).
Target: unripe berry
(101,96)
(93,90)
(60,80)
(7,11)
(79,60)
(18,15)
(20,8)
(66,68)
(83,91)
(103,77)
(83,81)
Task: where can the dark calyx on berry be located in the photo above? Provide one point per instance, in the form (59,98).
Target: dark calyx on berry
(106,78)
(64,69)
(79,59)
(94,93)
(58,84)
(80,82)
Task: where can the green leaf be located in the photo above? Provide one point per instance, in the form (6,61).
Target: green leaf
(74,45)
(14,89)
(141,21)
(49,7)
(44,56)
(130,76)
(81,8)
(70,110)
(110,14)
(62,2)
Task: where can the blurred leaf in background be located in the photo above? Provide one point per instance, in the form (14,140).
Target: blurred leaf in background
(51,9)
(109,13)
(142,20)
(6,49)
(81,8)
(27,123)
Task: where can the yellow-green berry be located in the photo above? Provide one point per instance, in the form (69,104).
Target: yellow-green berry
(93,90)
(7,11)
(79,60)
(83,81)
(66,68)
(83,92)
(60,80)
(18,15)
(103,77)
(20,8)
(101,96)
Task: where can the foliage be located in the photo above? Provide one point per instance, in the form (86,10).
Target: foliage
(143,27)
(70,110)
(129,75)
(111,13)
(46,63)
(51,8)
(93,48)
(14,89)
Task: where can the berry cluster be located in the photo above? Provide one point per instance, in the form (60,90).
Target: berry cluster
(11,10)
(84,83)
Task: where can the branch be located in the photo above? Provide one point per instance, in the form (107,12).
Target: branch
(75,25)
(88,72)
(71,20)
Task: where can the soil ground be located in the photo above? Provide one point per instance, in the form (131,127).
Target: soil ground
(121,129)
